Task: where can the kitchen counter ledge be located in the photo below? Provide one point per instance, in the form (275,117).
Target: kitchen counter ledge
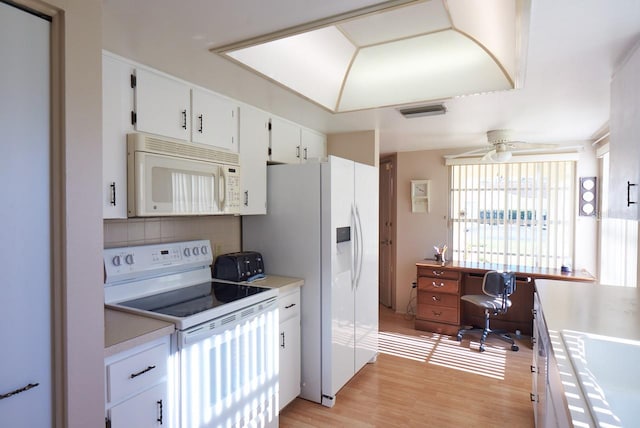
(124,331)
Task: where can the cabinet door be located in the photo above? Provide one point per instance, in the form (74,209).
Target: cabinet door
(117,105)
(25,305)
(214,120)
(162,105)
(284,141)
(314,145)
(289,376)
(145,410)
(624,135)
(254,146)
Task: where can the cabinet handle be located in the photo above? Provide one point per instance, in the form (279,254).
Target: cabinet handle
(437,285)
(184,119)
(141,372)
(160,409)
(533,397)
(282,339)
(290,306)
(436,314)
(19,390)
(629,201)
(112,186)
(436,298)
(246,198)
(298,152)
(201,124)
(438,272)
(305,153)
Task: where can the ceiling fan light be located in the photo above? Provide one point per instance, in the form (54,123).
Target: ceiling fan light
(504,156)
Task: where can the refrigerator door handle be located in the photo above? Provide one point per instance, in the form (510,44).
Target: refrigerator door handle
(355,249)
(360,243)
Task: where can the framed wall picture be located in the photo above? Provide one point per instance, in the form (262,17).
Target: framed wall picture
(420,196)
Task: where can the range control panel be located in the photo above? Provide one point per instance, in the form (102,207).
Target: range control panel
(126,263)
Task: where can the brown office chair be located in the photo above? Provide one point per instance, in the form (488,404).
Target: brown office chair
(497,287)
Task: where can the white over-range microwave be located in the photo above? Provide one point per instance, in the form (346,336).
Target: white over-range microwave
(167,177)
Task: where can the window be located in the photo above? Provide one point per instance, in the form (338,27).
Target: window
(517,214)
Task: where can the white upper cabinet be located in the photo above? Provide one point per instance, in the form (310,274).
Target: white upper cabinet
(624,124)
(117,105)
(162,105)
(284,144)
(291,143)
(254,146)
(313,145)
(214,120)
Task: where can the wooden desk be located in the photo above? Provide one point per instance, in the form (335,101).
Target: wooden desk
(440,310)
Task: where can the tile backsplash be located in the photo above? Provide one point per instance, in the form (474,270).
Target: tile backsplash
(222,231)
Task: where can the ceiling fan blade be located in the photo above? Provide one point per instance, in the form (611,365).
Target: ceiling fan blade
(464,154)
(525,145)
(488,157)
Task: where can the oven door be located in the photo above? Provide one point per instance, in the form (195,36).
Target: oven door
(165,185)
(229,370)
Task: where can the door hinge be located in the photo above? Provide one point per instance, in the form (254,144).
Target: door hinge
(269,126)
(107,423)
(134,117)
(133,80)
(269,151)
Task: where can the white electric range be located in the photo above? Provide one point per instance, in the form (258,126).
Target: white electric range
(226,340)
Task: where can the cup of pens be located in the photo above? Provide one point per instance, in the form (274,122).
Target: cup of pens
(440,253)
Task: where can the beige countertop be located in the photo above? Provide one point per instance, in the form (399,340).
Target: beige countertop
(123,330)
(589,308)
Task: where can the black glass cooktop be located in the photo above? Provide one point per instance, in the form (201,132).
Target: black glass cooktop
(194,299)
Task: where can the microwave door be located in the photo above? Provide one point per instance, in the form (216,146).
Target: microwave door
(173,186)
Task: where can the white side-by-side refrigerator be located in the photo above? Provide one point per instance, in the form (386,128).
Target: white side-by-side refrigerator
(322,226)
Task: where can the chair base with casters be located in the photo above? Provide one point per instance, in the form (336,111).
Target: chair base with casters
(486,331)
(497,287)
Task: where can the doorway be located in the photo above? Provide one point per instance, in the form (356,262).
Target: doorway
(387,231)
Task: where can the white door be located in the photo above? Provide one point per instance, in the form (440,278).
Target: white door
(366,283)
(215,120)
(162,105)
(254,146)
(337,292)
(314,145)
(25,305)
(148,409)
(284,141)
(117,105)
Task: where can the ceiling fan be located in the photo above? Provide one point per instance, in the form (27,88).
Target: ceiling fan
(502,146)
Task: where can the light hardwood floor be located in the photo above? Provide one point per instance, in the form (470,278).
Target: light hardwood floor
(422,379)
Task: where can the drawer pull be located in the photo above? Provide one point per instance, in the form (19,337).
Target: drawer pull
(436,314)
(18,391)
(290,306)
(436,298)
(437,285)
(438,272)
(141,372)
(160,418)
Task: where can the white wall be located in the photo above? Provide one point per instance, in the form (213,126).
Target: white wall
(417,233)
(78,270)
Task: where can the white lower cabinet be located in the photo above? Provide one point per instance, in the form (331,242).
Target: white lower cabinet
(137,380)
(289,376)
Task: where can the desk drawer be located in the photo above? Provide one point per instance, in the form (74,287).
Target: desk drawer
(439,285)
(438,313)
(438,273)
(438,299)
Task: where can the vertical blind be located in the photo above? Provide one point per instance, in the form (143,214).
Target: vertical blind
(519,214)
